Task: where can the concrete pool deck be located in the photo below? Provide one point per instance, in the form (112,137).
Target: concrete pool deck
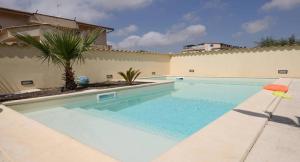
(230,138)
(23,140)
(279,140)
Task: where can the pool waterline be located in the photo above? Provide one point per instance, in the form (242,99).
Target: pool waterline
(162,113)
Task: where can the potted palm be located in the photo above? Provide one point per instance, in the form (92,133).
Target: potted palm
(130,75)
(63,48)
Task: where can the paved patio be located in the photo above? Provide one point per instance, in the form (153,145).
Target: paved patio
(280,140)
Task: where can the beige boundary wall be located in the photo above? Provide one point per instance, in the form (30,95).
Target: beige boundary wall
(21,63)
(258,63)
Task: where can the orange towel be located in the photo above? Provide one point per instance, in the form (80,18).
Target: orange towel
(276,87)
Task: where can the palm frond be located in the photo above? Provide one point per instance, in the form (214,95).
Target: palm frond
(130,75)
(90,38)
(137,74)
(64,45)
(124,76)
(63,48)
(43,46)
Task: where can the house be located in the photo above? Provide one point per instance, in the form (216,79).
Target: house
(208,47)
(35,24)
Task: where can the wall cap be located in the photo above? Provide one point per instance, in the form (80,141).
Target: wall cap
(238,50)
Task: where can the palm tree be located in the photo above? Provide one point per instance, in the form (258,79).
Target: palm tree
(130,75)
(63,48)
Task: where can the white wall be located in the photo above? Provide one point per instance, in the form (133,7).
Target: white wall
(261,63)
(21,63)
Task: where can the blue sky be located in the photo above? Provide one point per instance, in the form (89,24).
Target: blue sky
(167,25)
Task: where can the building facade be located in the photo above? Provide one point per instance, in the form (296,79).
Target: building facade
(208,47)
(35,24)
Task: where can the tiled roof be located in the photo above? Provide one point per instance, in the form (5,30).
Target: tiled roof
(31,14)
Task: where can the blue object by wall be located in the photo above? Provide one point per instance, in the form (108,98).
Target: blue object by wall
(83,80)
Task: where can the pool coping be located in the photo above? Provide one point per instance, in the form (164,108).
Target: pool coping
(86,92)
(35,146)
(204,145)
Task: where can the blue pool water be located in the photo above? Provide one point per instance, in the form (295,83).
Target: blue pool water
(139,124)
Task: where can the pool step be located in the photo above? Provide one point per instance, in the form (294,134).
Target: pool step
(123,102)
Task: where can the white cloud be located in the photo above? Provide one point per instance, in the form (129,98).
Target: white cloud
(153,38)
(280,4)
(191,17)
(177,27)
(257,25)
(84,10)
(126,30)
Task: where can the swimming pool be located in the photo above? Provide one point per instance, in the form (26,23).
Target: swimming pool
(140,124)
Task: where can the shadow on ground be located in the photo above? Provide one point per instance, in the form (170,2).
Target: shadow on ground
(273,118)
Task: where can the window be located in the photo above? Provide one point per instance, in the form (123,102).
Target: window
(211,45)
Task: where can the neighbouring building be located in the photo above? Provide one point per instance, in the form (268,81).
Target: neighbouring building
(35,24)
(208,47)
